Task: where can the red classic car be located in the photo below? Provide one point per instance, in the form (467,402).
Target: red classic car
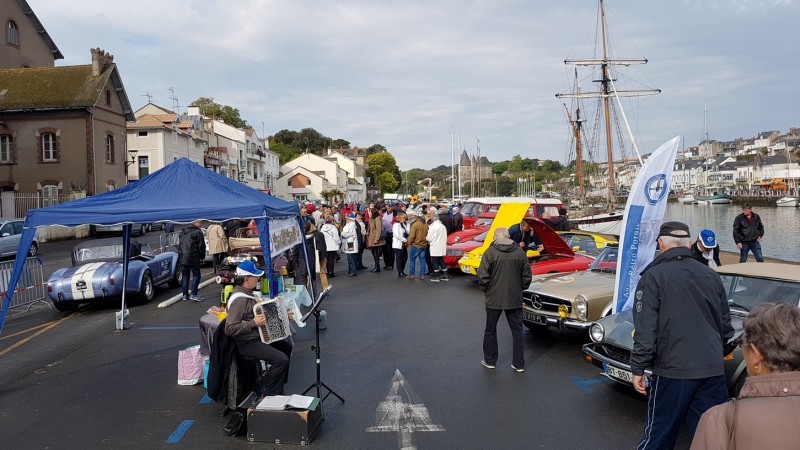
(457,250)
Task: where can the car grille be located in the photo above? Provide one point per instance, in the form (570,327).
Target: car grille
(618,353)
(548,304)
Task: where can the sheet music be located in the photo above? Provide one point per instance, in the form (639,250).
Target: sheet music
(277,326)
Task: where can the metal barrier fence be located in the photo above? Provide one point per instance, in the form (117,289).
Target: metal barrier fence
(30,287)
(169,242)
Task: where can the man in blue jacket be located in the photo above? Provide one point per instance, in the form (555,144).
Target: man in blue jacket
(681,322)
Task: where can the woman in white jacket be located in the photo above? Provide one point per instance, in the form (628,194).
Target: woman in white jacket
(437,245)
(350,244)
(399,240)
(332,243)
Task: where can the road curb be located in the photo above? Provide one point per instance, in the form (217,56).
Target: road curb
(176,298)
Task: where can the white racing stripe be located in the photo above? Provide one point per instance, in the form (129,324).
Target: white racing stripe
(84,274)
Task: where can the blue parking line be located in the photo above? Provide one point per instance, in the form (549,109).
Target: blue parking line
(176,435)
(584,384)
(205,400)
(168,328)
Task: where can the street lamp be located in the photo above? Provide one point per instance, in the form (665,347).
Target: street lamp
(132,153)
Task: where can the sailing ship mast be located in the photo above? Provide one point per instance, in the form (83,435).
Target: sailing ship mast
(577,126)
(607,90)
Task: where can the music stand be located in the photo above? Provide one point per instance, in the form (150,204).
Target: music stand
(315,310)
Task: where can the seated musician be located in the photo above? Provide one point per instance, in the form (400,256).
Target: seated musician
(242,324)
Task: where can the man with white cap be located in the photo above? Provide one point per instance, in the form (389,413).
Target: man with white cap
(242,324)
(706,250)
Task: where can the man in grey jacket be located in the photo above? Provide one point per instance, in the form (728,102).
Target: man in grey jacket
(681,321)
(503,274)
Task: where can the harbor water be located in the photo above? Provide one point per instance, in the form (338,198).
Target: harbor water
(781,226)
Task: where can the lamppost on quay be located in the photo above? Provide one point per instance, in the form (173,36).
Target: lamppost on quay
(132,153)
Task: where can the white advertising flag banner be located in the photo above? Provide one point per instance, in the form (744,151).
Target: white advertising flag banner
(283,235)
(644,213)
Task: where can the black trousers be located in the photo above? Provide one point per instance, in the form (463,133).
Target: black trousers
(331,260)
(514,318)
(428,261)
(400,258)
(388,251)
(277,355)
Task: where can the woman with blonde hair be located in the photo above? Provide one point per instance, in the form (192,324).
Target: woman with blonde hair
(766,414)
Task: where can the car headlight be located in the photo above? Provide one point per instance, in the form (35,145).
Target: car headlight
(581,306)
(597,333)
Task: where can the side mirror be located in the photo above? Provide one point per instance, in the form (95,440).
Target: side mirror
(532,254)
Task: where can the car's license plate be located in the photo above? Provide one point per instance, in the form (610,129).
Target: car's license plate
(535,318)
(465,269)
(619,374)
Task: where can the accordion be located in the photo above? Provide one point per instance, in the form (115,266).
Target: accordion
(277,326)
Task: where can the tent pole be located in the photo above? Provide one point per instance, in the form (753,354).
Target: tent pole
(121,315)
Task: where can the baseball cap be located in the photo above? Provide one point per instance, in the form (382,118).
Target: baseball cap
(248,269)
(350,217)
(674,229)
(456,209)
(708,239)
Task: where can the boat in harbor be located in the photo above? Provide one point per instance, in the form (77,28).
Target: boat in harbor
(788,202)
(714,199)
(687,198)
(606,109)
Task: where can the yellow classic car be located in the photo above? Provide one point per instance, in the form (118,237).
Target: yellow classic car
(556,256)
(587,243)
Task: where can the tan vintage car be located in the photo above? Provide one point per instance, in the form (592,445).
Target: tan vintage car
(572,300)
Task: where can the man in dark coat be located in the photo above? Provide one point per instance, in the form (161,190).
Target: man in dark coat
(681,321)
(447,221)
(706,250)
(561,223)
(458,219)
(523,234)
(747,232)
(191,253)
(503,274)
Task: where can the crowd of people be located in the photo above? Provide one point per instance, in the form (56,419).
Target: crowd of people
(408,239)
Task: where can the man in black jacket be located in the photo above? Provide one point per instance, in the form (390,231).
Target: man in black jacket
(458,219)
(561,223)
(681,321)
(706,250)
(503,274)
(191,253)
(747,232)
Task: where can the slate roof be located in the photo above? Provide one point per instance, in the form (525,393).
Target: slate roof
(464,159)
(37,25)
(52,88)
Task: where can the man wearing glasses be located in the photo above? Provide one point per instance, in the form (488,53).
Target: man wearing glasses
(681,321)
(242,323)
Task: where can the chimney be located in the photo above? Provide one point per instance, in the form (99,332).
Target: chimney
(100,61)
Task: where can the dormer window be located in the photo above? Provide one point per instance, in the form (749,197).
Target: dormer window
(12,33)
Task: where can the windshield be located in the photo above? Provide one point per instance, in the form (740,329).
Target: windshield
(746,292)
(472,209)
(582,243)
(606,261)
(481,237)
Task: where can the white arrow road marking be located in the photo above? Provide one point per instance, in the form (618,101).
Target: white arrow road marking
(403,412)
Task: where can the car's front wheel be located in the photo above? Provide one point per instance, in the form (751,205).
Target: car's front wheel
(147,291)
(33,250)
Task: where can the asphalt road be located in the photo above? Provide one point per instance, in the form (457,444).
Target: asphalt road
(72,381)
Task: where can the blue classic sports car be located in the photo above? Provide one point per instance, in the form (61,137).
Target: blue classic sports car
(96,273)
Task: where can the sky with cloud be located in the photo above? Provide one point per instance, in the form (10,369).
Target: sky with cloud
(405,73)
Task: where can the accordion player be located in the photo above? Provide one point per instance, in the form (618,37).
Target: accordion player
(243,324)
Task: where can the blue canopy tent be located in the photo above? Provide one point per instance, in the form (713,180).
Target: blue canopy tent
(181,192)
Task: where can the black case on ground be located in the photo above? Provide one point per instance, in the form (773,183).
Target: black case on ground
(287,426)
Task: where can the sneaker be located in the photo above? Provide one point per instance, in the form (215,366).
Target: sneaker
(196,298)
(444,277)
(410,277)
(185,298)
(435,278)
(422,277)
(487,365)
(520,370)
